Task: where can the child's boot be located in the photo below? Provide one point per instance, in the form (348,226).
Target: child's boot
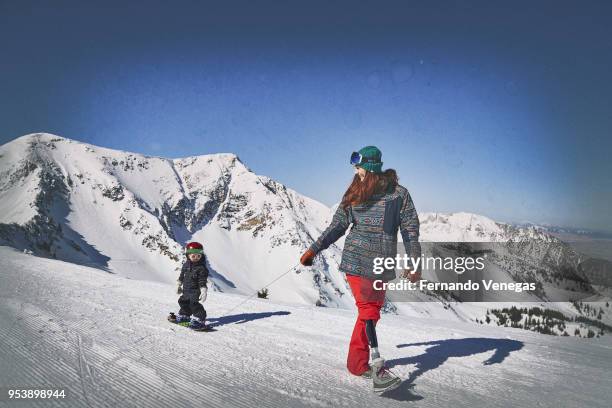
(196,324)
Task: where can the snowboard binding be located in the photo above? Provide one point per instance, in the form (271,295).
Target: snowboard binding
(180,320)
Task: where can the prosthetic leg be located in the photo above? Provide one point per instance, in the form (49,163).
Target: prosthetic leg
(383,379)
(371,333)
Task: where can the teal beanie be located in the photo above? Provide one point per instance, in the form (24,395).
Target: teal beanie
(375,156)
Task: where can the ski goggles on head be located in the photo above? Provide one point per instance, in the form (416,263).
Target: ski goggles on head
(197,251)
(357,158)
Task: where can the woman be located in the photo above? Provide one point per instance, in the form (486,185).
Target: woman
(377,206)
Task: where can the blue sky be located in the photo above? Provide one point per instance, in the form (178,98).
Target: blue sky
(502,110)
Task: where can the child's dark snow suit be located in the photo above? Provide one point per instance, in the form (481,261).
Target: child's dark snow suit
(193,276)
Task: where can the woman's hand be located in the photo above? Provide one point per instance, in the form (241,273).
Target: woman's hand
(413,277)
(307,258)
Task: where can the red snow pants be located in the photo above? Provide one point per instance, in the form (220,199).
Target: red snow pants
(368,301)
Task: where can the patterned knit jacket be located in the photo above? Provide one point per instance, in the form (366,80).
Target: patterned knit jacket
(374,232)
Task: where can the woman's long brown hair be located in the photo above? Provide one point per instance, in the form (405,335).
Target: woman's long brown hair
(360,191)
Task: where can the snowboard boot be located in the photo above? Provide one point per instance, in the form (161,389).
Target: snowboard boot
(383,379)
(178,319)
(197,324)
(182,318)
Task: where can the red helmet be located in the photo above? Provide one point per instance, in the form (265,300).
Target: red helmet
(194,248)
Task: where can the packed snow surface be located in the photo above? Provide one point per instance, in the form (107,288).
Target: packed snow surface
(104,339)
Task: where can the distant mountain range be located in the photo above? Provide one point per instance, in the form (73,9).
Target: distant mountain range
(566,232)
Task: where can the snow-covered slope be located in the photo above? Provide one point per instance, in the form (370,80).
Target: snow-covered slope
(131,214)
(105,341)
(460,227)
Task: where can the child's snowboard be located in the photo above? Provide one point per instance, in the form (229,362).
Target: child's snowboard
(205,328)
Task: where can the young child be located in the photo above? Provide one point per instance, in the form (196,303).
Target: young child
(191,285)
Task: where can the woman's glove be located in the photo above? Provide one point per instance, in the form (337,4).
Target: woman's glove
(179,287)
(413,277)
(203,293)
(307,258)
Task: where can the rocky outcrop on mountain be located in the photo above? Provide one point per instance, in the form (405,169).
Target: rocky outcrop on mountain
(132,214)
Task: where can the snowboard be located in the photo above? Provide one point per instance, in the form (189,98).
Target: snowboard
(206,328)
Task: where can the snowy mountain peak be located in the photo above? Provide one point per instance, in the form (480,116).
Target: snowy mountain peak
(39,137)
(131,214)
(460,226)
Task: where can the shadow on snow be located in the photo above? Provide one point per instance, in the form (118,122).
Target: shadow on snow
(439,351)
(243,318)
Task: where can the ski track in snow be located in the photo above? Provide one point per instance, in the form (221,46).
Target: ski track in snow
(104,339)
